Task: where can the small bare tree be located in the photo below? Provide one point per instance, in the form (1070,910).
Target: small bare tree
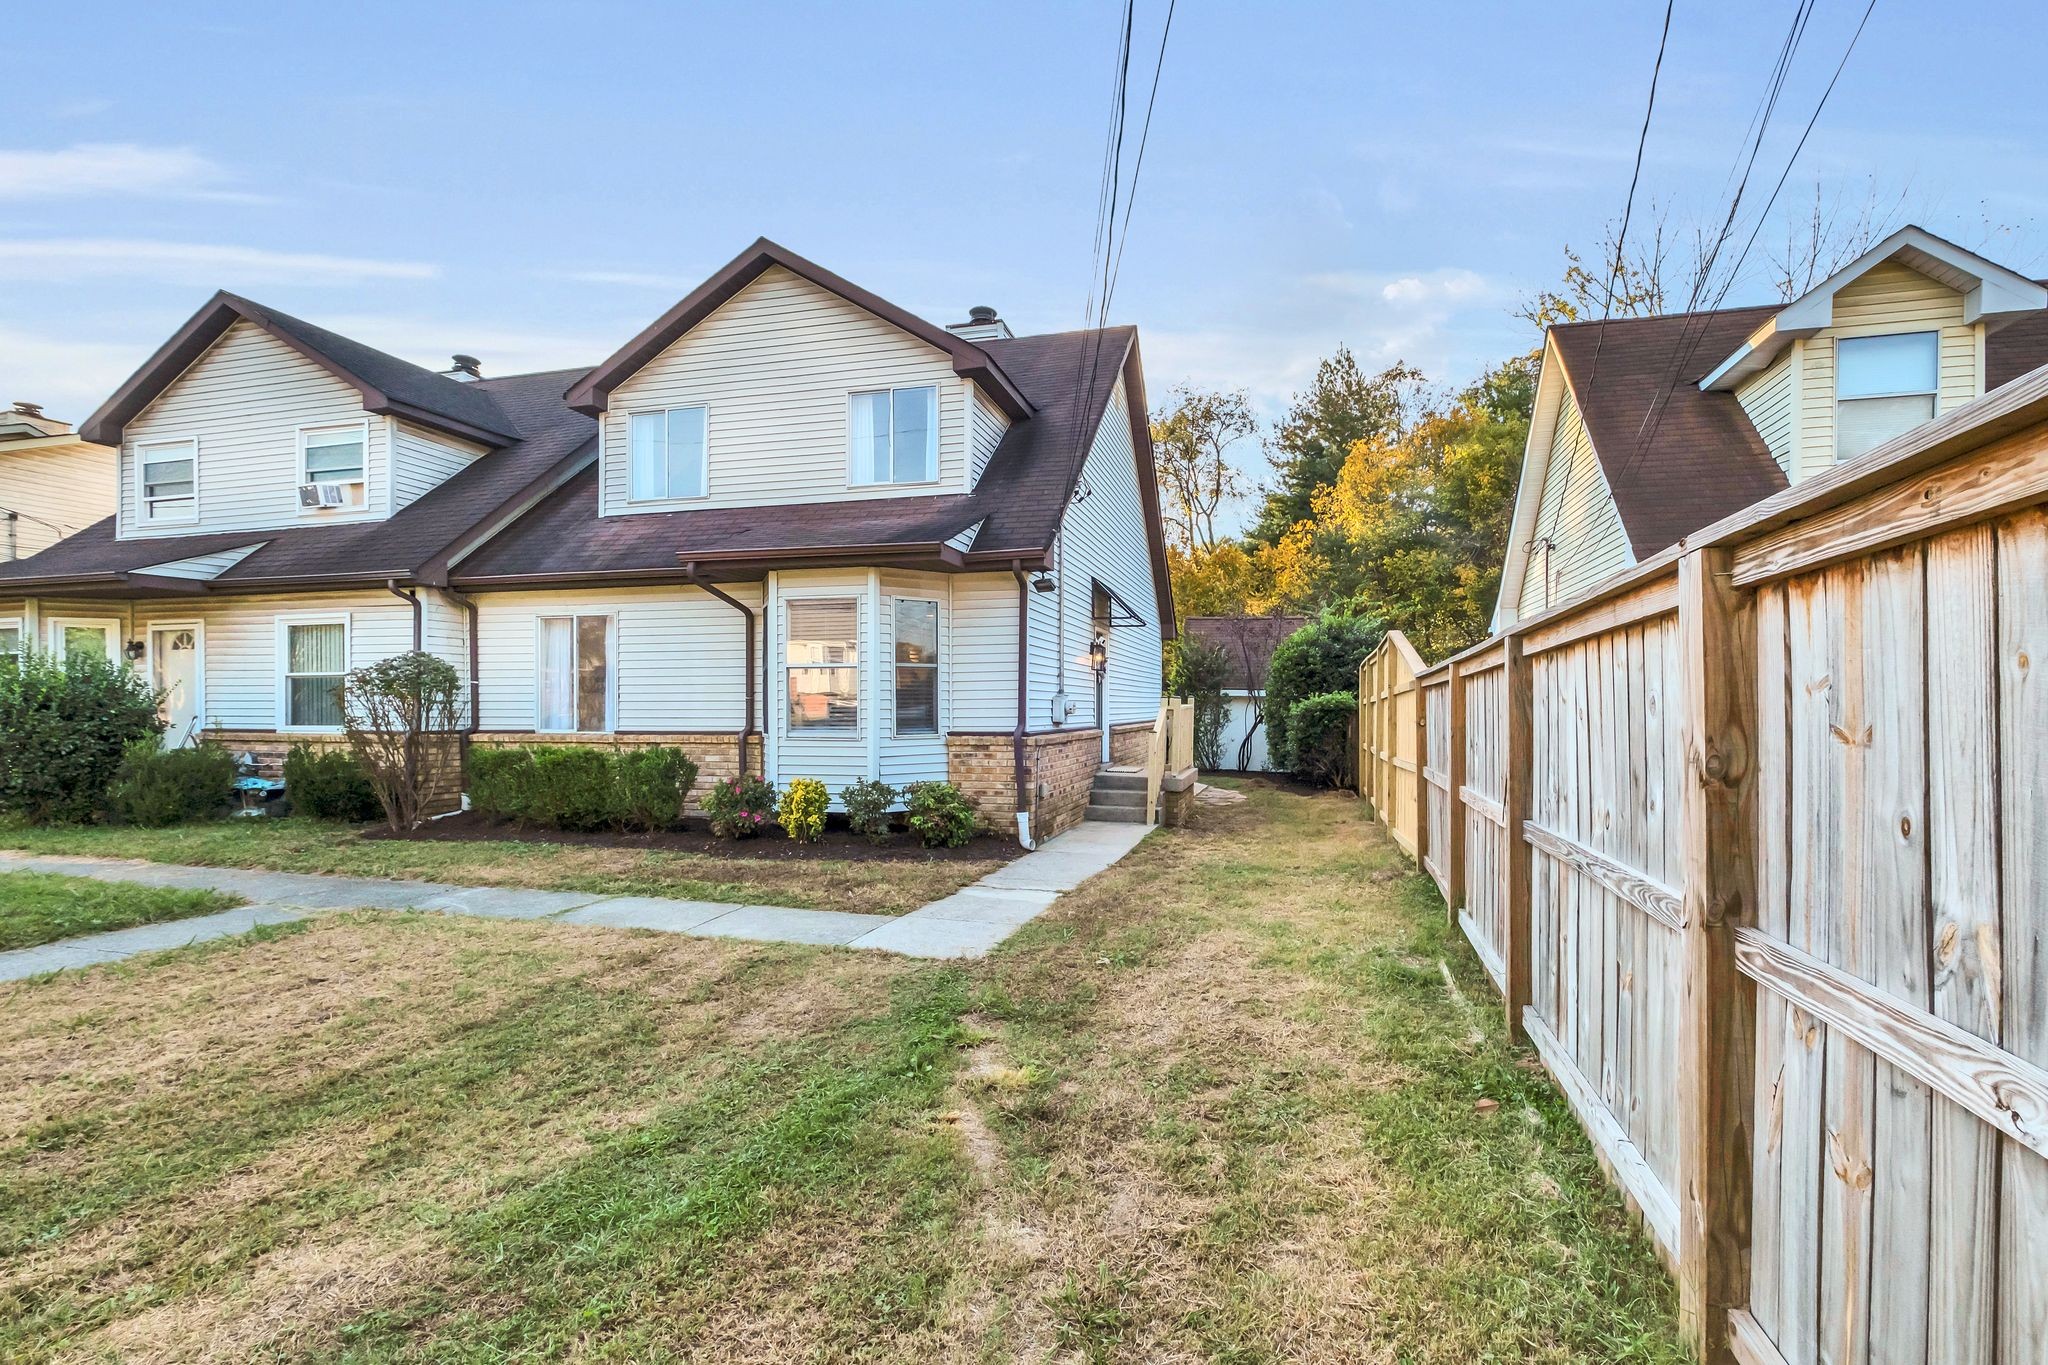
(1191,441)
(401,716)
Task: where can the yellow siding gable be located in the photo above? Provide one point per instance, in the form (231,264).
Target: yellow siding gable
(1889,298)
(1577,520)
(1768,398)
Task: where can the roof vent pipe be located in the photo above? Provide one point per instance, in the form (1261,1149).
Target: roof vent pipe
(28,409)
(982,325)
(467,369)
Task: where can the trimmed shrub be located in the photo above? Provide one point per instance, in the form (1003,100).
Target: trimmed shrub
(801,812)
(329,784)
(1320,732)
(1320,658)
(499,780)
(654,785)
(940,816)
(570,787)
(65,725)
(156,786)
(401,713)
(867,805)
(739,807)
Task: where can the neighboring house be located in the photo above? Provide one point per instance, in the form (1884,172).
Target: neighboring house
(788,520)
(52,482)
(1649,429)
(1248,643)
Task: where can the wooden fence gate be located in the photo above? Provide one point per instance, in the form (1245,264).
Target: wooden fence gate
(1754,841)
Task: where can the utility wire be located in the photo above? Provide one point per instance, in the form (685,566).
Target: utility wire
(1629,205)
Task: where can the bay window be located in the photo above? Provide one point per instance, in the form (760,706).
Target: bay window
(822,664)
(575,674)
(896,436)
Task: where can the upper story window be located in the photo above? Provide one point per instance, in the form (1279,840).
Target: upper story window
(823,664)
(169,475)
(896,436)
(336,455)
(668,454)
(1883,386)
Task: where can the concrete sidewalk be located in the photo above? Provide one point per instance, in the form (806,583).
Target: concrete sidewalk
(965,924)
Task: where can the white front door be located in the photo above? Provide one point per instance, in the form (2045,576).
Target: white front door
(174,671)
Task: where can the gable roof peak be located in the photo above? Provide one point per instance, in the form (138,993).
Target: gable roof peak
(592,393)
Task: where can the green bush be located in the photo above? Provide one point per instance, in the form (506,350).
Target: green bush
(155,786)
(801,812)
(739,807)
(571,788)
(654,785)
(940,815)
(867,805)
(1200,671)
(498,781)
(64,727)
(1320,732)
(1320,658)
(329,784)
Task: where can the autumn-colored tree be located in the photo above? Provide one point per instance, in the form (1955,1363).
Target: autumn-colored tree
(1191,441)
(1341,406)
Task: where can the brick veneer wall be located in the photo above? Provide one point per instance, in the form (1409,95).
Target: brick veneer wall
(716,754)
(1059,770)
(269,747)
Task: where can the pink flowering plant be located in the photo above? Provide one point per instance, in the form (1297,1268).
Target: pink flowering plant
(740,807)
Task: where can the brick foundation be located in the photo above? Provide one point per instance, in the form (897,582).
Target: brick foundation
(715,753)
(269,747)
(1059,769)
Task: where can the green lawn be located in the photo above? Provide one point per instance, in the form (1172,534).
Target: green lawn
(1218,1105)
(295,845)
(36,908)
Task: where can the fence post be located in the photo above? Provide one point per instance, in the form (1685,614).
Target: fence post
(1454,808)
(1365,712)
(1716,1044)
(1422,846)
(1521,729)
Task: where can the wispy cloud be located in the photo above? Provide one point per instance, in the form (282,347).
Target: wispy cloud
(78,258)
(105,169)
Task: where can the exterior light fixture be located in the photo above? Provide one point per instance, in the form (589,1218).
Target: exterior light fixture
(1043,582)
(1098,653)
(134,650)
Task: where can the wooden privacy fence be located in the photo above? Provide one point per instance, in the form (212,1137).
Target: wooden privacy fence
(1387,736)
(1754,842)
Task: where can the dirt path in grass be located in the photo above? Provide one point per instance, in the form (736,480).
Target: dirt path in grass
(1220,1104)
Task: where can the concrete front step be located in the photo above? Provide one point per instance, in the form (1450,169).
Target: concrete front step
(1117,796)
(1110,779)
(1127,815)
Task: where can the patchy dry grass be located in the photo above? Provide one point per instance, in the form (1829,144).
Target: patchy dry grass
(39,908)
(1219,1105)
(875,887)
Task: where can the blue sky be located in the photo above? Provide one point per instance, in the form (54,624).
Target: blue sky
(533,183)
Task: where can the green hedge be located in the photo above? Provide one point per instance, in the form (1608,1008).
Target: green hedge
(156,786)
(581,787)
(65,725)
(1319,730)
(329,784)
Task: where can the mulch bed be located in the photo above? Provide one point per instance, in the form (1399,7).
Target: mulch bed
(838,844)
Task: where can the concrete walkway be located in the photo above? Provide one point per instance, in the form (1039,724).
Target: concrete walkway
(967,923)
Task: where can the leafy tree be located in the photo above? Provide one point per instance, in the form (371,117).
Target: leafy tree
(65,725)
(1200,671)
(401,716)
(1191,441)
(1320,658)
(1341,406)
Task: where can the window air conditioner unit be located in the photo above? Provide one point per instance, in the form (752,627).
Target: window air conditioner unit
(323,495)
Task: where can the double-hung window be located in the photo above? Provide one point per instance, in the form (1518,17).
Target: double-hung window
(338,455)
(896,436)
(10,638)
(917,666)
(668,454)
(315,665)
(575,674)
(1883,386)
(168,472)
(823,664)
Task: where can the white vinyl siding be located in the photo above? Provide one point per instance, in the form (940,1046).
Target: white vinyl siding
(678,656)
(981,674)
(201,566)
(244,401)
(58,491)
(1578,519)
(1889,298)
(990,422)
(425,460)
(1768,399)
(774,366)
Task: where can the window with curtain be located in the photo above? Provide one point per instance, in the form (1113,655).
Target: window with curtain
(917,667)
(896,436)
(575,673)
(822,658)
(1884,386)
(668,454)
(316,661)
(169,490)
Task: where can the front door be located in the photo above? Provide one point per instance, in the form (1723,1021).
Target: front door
(174,671)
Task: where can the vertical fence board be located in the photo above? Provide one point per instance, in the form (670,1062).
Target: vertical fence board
(1773,873)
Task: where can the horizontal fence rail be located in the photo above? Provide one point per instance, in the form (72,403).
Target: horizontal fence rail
(1754,842)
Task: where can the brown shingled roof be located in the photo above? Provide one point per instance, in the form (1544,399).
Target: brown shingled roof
(1247,642)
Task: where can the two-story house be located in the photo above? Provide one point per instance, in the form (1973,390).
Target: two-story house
(789,525)
(52,482)
(1649,429)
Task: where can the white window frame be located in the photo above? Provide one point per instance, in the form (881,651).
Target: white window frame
(853,479)
(21,641)
(362,485)
(611,670)
(284,658)
(862,647)
(937,666)
(54,627)
(632,496)
(1933,392)
(143,515)
(198,629)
